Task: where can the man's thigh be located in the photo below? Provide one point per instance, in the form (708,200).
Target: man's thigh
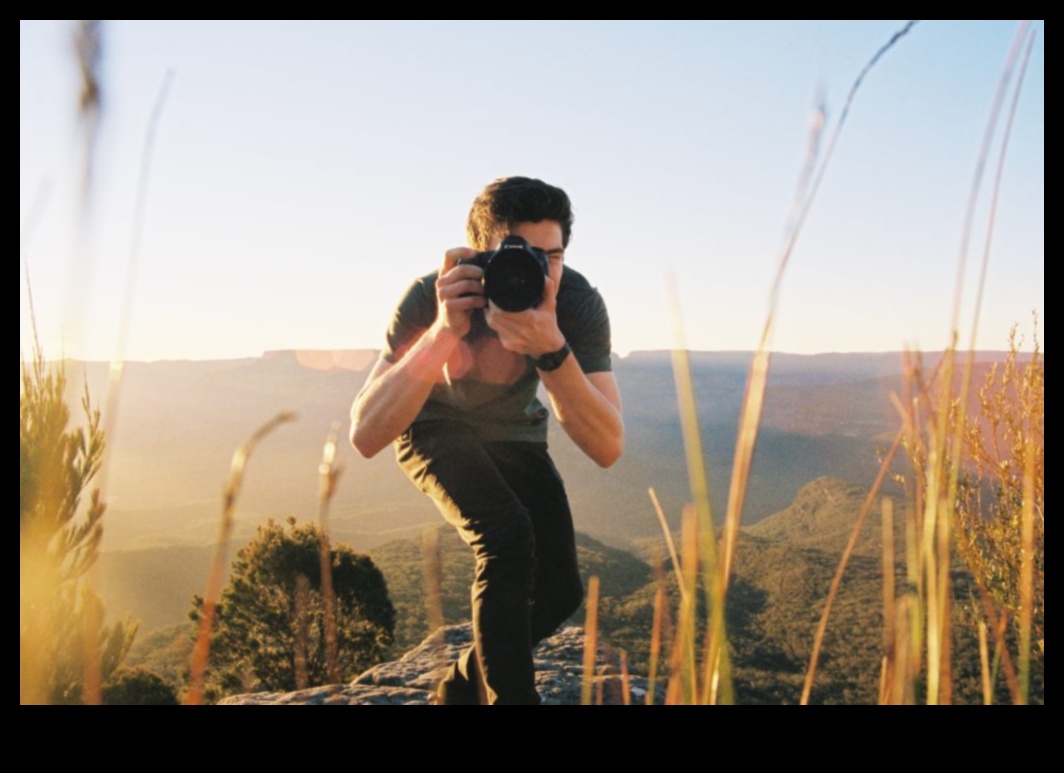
(481,485)
(450,463)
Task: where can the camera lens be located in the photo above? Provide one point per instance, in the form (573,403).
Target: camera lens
(513,280)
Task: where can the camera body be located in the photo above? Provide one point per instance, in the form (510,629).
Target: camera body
(513,274)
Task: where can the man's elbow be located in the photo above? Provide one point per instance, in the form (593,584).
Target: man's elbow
(366,447)
(608,453)
(362,439)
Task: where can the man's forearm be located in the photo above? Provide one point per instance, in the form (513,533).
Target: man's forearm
(588,409)
(395,394)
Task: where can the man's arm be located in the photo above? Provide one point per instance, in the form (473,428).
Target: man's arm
(394,393)
(588,406)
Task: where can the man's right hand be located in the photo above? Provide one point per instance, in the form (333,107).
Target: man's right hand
(459,290)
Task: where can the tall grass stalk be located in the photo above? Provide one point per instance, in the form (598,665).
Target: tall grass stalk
(432,575)
(88,49)
(1027,576)
(328,477)
(658,630)
(984,663)
(715,569)
(669,541)
(201,650)
(87,42)
(700,551)
(590,642)
(683,665)
(889,600)
(117,369)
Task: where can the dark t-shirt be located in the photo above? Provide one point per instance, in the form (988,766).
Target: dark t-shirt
(502,411)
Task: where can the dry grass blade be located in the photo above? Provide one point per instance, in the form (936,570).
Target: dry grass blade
(692,437)
(996,195)
(626,681)
(704,540)
(88,51)
(984,662)
(88,54)
(889,601)
(997,624)
(329,476)
(114,385)
(980,168)
(907,660)
(836,583)
(757,379)
(590,642)
(657,633)
(201,651)
(669,541)
(683,666)
(432,575)
(1027,576)
(809,183)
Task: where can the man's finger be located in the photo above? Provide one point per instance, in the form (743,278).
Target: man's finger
(550,295)
(452,256)
(457,287)
(466,302)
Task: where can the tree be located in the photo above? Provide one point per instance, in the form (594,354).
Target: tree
(270,632)
(61,633)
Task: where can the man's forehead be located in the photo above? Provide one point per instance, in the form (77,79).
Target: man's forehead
(543,234)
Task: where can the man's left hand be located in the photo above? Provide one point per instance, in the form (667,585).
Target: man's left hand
(533,332)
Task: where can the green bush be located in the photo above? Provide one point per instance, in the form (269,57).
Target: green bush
(270,633)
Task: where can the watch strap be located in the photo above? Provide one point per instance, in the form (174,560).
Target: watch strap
(552,360)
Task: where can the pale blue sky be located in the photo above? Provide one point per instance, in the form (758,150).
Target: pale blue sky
(304,173)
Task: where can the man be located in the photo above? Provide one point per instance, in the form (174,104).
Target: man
(455,389)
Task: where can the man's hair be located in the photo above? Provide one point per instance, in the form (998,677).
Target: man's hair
(512,200)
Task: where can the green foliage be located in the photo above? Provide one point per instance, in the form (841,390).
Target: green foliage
(60,618)
(270,631)
(139,687)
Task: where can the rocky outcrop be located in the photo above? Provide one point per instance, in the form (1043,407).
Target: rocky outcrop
(411,681)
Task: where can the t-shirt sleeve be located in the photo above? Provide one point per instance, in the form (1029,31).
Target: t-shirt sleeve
(588,334)
(413,316)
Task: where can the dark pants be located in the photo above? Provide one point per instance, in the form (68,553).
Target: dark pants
(509,505)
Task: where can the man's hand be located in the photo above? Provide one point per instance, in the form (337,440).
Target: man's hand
(534,331)
(459,291)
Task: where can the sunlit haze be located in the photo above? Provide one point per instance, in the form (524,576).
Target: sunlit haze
(303,174)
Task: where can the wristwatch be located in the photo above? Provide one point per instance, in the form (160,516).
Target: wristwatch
(552,360)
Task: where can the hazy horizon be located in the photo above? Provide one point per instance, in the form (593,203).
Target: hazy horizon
(338,355)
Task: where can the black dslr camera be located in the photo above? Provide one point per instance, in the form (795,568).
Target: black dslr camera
(513,274)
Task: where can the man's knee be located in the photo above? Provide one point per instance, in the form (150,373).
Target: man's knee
(505,546)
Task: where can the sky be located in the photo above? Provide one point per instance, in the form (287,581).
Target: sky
(301,175)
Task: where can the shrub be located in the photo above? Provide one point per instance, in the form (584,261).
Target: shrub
(270,634)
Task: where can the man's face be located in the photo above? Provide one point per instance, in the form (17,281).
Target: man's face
(545,235)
